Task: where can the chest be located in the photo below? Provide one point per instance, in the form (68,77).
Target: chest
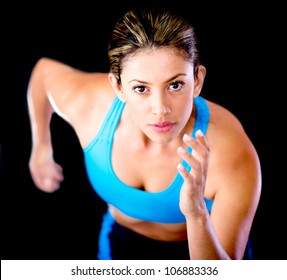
(153,171)
(142,169)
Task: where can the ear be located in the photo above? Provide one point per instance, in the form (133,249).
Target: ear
(117,87)
(199,80)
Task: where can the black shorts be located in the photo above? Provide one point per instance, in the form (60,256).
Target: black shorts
(117,242)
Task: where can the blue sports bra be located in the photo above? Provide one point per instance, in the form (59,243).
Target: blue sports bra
(160,207)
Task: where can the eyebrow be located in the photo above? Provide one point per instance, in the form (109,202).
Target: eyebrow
(169,80)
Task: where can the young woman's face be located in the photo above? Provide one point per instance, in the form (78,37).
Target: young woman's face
(158,87)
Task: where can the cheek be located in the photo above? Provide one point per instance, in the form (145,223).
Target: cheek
(138,110)
(183,107)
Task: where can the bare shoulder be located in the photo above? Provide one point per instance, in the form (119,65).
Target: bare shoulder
(232,151)
(81,98)
(65,82)
(226,131)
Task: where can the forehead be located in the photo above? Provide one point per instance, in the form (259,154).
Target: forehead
(149,63)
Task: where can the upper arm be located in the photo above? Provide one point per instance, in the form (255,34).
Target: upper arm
(238,187)
(75,95)
(60,83)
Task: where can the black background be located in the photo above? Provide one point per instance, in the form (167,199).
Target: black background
(239,47)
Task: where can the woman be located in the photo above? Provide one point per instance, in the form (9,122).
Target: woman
(181,178)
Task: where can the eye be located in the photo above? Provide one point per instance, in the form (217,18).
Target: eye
(176,85)
(140,90)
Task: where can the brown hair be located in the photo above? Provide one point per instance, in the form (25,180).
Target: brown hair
(142,29)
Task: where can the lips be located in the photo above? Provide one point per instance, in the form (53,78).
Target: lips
(162,126)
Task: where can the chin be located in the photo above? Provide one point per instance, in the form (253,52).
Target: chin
(162,139)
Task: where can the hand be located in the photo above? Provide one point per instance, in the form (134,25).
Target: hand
(46,173)
(192,191)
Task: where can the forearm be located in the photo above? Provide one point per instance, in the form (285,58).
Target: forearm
(202,240)
(40,109)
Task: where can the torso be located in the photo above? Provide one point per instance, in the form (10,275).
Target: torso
(147,169)
(144,168)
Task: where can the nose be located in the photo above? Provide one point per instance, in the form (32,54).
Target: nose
(160,105)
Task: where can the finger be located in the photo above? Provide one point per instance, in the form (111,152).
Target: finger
(189,158)
(193,143)
(50,185)
(185,174)
(54,171)
(58,168)
(49,179)
(57,175)
(202,139)
(200,148)
(46,184)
